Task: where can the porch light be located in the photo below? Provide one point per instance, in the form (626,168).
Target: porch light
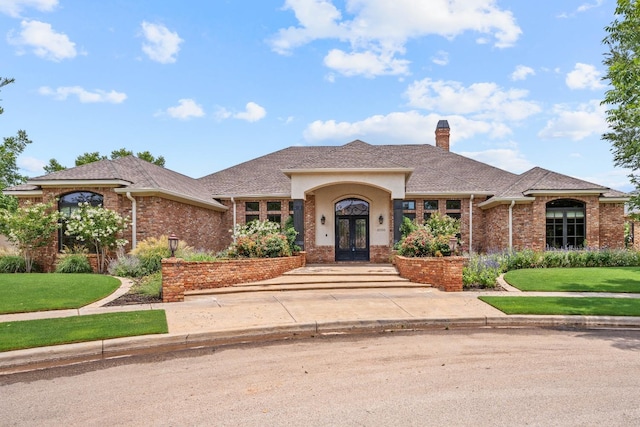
(323,219)
(173,244)
(380,219)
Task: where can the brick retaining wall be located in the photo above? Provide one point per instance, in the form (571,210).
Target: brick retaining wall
(445,273)
(179,275)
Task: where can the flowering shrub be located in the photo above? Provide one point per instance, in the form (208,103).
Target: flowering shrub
(430,239)
(261,239)
(30,227)
(99,226)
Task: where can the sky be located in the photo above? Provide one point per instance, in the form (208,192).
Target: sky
(210,84)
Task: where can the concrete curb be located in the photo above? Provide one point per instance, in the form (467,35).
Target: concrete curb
(69,354)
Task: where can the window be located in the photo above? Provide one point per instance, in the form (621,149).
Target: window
(274,206)
(453,208)
(66,205)
(291,207)
(252,206)
(408,205)
(249,218)
(430,207)
(565,224)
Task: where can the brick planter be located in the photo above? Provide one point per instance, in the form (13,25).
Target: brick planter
(445,273)
(179,275)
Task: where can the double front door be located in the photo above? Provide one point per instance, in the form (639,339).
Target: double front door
(352,238)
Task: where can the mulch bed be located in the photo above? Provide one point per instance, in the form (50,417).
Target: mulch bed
(131,299)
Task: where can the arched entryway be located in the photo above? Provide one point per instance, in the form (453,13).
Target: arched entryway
(352,230)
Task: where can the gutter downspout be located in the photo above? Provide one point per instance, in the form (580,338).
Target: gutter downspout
(234,219)
(471,225)
(513,202)
(134,222)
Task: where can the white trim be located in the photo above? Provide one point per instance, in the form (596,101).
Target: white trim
(79,183)
(290,172)
(614,199)
(174,196)
(565,192)
(504,201)
(23,193)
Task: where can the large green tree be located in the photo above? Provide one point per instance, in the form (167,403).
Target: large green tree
(623,98)
(95,156)
(10,149)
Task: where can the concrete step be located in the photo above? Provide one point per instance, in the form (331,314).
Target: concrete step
(252,287)
(321,277)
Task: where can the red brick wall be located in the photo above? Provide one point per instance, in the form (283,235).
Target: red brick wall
(179,276)
(445,273)
(612,225)
(198,227)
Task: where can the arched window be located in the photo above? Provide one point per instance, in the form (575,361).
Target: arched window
(566,224)
(67,204)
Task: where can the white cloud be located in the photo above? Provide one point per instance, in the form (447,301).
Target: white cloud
(584,76)
(576,124)
(83,95)
(480,100)
(31,165)
(44,42)
(441,58)
(252,113)
(409,127)
(14,8)
(380,29)
(368,64)
(161,45)
(616,178)
(185,110)
(586,6)
(522,72)
(510,160)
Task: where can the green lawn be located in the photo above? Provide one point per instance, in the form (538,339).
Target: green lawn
(595,279)
(20,293)
(45,332)
(588,306)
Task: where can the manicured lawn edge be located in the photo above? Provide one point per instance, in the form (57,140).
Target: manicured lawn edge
(66,330)
(23,293)
(586,279)
(585,306)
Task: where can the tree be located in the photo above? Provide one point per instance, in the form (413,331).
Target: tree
(97,225)
(85,158)
(30,227)
(53,166)
(10,149)
(95,156)
(623,99)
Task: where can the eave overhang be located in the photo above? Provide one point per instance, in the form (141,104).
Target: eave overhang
(170,195)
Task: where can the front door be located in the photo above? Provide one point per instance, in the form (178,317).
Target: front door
(352,230)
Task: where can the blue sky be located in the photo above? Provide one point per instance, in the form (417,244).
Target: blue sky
(209,84)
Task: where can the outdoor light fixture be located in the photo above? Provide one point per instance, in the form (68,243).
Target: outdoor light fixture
(173,244)
(323,219)
(380,219)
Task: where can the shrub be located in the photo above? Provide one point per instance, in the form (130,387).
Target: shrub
(199,256)
(261,239)
(12,264)
(150,252)
(126,266)
(481,270)
(150,285)
(73,263)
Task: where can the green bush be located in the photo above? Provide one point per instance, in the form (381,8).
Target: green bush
(73,263)
(12,264)
(484,269)
(150,285)
(126,266)
(261,239)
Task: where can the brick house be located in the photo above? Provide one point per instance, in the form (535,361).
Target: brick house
(346,201)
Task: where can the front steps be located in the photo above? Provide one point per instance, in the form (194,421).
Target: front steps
(322,277)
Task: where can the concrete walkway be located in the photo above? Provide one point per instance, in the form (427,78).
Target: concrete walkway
(337,301)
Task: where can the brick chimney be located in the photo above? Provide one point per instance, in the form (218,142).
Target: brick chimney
(442,134)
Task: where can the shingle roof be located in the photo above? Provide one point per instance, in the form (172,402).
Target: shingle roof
(540,180)
(135,174)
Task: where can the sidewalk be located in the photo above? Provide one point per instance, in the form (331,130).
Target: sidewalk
(228,318)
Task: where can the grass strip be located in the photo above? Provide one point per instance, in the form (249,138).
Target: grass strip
(21,293)
(586,306)
(589,279)
(66,330)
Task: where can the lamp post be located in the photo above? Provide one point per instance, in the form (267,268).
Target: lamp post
(173,244)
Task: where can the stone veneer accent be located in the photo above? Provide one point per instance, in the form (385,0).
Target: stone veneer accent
(445,273)
(179,275)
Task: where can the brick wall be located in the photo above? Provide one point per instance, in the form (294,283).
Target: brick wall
(612,225)
(179,276)
(445,273)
